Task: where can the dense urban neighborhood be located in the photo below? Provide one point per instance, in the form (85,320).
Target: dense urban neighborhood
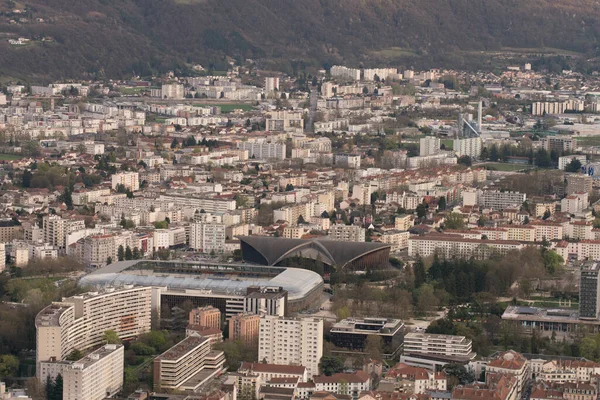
(345,233)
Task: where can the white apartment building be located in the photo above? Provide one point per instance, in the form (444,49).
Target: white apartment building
(557,107)
(341,72)
(566,160)
(574,203)
(79,322)
(285,121)
(19,253)
(347,233)
(397,239)
(498,200)
(291,341)
(468,147)
(131,180)
(457,246)
(42,251)
(293,212)
(172,91)
(54,230)
(271,84)
(429,145)
(207,237)
(347,160)
(443,349)
(263,149)
(89,196)
(96,376)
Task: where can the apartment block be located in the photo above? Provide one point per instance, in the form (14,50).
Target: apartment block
(244,327)
(566,160)
(96,376)
(54,229)
(429,145)
(403,222)
(432,351)
(345,73)
(470,147)
(188,365)
(285,121)
(457,246)
(263,149)
(207,317)
(560,144)
(79,322)
(291,341)
(579,183)
(499,200)
(347,160)
(347,233)
(9,231)
(131,180)
(172,91)
(207,237)
(397,239)
(271,84)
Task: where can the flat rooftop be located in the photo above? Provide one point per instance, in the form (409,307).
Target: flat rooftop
(96,356)
(382,326)
(435,337)
(182,348)
(558,315)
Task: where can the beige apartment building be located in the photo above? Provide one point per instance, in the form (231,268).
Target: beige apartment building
(96,376)
(347,233)
(79,322)
(244,327)
(10,231)
(208,317)
(291,341)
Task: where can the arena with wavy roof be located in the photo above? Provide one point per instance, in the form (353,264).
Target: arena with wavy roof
(225,286)
(266,250)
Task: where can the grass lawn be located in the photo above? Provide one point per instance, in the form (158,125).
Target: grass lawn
(132,90)
(9,157)
(506,167)
(588,140)
(448,143)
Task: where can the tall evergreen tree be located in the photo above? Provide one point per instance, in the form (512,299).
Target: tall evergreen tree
(121,253)
(419,272)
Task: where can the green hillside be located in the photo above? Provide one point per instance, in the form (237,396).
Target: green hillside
(116,38)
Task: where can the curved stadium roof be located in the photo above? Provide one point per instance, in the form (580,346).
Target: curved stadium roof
(297,282)
(332,252)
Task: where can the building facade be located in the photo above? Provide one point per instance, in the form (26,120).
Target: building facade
(291,341)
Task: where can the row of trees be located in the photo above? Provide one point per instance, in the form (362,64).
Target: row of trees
(540,157)
(128,254)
